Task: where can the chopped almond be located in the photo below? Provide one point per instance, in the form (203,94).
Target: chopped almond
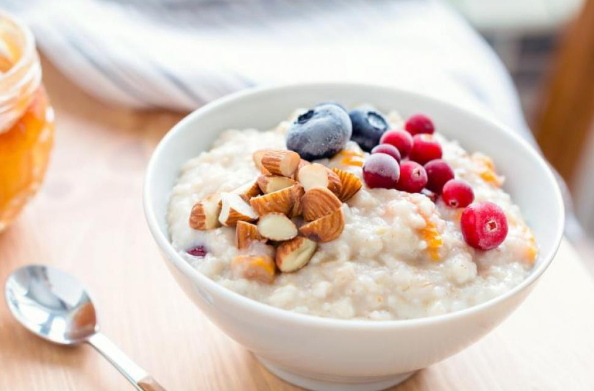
(205,214)
(351,184)
(254,267)
(280,162)
(277,226)
(334,183)
(245,234)
(302,163)
(272,183)
(249,190)
(280,201)
(297,209)
(294,254)
(317,175)
(324,229)
(313,175)
(319,202)
(235,208)
(257,156)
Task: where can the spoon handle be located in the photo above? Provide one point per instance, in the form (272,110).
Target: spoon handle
(136,375)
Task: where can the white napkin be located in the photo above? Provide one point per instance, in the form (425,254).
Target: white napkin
(179,54)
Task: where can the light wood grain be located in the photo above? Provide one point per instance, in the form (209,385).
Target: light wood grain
(88,220)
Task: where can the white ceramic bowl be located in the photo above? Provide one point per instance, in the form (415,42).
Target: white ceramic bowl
(331,354)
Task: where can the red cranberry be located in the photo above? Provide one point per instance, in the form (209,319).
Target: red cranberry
(413,177)
(381,170)
(197,251)
(424,149)
(388,150)
(419,123)
(457,193)
(484,225)
(400,139)
(438,174)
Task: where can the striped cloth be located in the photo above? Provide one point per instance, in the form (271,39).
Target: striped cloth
(179,54)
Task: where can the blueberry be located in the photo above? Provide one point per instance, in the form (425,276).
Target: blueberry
(331,103)
(368,128)
(320,132)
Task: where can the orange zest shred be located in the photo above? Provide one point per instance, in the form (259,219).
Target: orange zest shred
(531,249)
(487,170)
(433,239)
(352,158)
(431,236)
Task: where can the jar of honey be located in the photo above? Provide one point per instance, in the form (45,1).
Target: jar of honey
(26,119)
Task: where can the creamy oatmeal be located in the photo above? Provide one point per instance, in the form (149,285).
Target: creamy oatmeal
(400,255)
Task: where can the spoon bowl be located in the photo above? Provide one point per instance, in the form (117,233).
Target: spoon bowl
(52,304)
(55,306)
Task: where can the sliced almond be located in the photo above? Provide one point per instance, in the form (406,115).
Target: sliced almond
(272,183)
(280,201)
(254,267)
(235,208)
(277,226)
(319,202)
(245,234)
(317,175)
(294,254)
(205,214)
(324,229)
(280,162)
(351,184)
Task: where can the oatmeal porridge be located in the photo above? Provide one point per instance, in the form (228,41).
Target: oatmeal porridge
(364,216)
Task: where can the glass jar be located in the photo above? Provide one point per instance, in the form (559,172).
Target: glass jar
(26,119)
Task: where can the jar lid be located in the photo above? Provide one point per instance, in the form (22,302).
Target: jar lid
(20,70)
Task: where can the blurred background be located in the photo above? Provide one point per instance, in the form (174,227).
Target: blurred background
(529,63)
(548,48)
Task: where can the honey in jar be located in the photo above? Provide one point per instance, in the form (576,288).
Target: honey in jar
(26,119)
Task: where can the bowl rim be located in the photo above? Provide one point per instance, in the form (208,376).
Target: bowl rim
(325,322)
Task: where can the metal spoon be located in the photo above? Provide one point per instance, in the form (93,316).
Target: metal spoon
(53,305)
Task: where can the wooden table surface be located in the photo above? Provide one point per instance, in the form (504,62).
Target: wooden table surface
(88,220)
